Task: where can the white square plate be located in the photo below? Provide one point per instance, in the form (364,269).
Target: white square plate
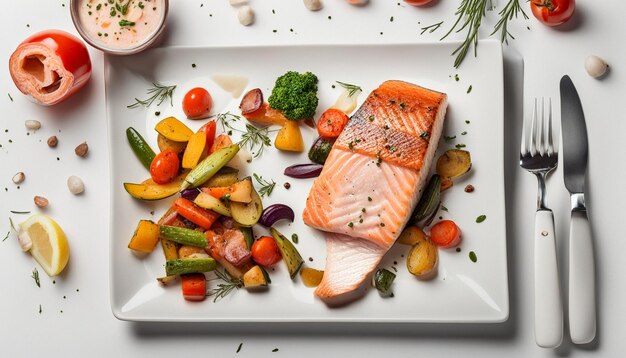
(463,291)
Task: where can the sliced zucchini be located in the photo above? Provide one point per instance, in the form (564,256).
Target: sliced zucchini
(429,202)
(165,144)
(422,259)
(195,265)
(250,213)
(382,280)
(290,254)
(224,177)
(149,190)
(256,277)
(209,167)
(207,201)
(140,147)
(248,235)
(454,163)
(184,236)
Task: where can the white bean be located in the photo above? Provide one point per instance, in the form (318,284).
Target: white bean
(75,185)
(237,2)
(19,178)
(595,66)
(245,14)
(313,5)
(32,124)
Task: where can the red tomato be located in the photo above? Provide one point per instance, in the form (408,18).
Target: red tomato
(553,12)
(197,103)
(418,2)
(445,234)
(164,167)
(331,123)
(265,252)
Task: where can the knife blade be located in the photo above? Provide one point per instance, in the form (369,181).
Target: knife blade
(582,306)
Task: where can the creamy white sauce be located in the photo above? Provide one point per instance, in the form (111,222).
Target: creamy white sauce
(120,23)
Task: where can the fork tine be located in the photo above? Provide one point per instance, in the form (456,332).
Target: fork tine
(551,147)
(533,132)
(541,128)
(524,142)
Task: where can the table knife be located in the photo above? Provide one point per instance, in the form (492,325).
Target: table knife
(582,291)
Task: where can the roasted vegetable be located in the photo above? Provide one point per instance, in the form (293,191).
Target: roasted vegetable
(411,235)
(209,202)
(165,144)
(183,266)
(194,151)
(164,167)
(382,281)
(209,166)
(454,163)
(267,116)
(289,138)
(149,190)
(140,147)
(303,171)
(265,252)
(251,101)
(183,236)
(193,286)
(445,234)
(199,216)
(319,150)
(290,254)
(276,212)
(145,237)
(295,95)
(221,141)
(331,123)
(256,277)
(422,259)
(170,248)
(311,277)
(247,214)
(190,252)
(429,202)
(241,191)
(224,177)
(173,129)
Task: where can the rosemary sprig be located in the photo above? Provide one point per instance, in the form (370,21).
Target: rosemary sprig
(266,186)
(224,289)
(158,92)
(12,226)
(254,137)
(35,276)
(431,28)
(20,212)
(511,10)
(7,235)
(352,89)
(469,18)
(225,120)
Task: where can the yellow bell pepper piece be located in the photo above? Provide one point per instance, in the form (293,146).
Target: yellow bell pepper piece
(195,149)
(289,138)
(145,237)
(173,129)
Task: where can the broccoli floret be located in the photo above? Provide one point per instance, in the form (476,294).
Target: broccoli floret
(295,94)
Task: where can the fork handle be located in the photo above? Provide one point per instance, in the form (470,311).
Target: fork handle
(582,291)
(548,304)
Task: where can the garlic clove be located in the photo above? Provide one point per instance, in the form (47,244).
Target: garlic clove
(19,178)
(245,14)
(75,185)
(313,5)
(595,66)
(32,124)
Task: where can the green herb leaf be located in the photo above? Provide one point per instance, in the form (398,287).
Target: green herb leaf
(256,139)
(266,186)
(449,138)
(224,289)
(35,276)
(481,218)
(352,89)
(157,92)
(20,212)
(472,256)
(431,28)
(239,348)
(125,22)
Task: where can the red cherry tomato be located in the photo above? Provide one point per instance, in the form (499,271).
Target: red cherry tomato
(197,103)
(265,252)
(445,234)
(418,2)
(164,167)
(553,12)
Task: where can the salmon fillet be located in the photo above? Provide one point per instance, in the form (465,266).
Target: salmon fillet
(371,182)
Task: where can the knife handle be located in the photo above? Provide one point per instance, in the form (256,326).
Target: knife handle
(582,288)
(548,303)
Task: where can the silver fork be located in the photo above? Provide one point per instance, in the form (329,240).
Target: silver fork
(539,156)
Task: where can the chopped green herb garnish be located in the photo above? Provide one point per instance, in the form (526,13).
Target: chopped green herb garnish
(449,138)
(467,122)
(266,186)
(463,133)
(294,238)
(11,98)
(276,349)
(350,224)
(125,22)
(35,276)
(371,118)
(39,309)
(472,256)
(20,212)
(459,146)
(352,89)
(481,218)
(443,208)
(158,92)
(469,89)
(431,28)
(424,135)
(239,348)
(369,198)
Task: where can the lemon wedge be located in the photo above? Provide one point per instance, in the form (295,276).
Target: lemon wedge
(47,243)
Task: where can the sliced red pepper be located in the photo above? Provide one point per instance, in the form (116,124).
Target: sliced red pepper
(210,128)
(50,66)
(199,216)
(194,286)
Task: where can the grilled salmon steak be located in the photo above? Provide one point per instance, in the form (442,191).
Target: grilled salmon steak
(371,182)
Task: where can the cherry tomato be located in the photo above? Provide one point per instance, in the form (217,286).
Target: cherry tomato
(553,12)
(418,2)
(265,252)
(197,103)
(445,234)
(164,167)
(332,123)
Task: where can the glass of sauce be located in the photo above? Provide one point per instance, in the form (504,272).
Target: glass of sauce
(120,27)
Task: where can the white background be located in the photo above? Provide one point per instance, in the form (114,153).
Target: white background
(86,327)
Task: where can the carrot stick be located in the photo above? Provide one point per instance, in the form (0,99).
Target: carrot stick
(218,191)
(201,217)
(194,286)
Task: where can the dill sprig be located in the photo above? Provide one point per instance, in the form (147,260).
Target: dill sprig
(352,89)
(12,226)
(7,235)
(470,14)
(226,120)
(254,137)
(266,186)
(35,276)
(431,28)
(158,92)
(224,289)
(512,9)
